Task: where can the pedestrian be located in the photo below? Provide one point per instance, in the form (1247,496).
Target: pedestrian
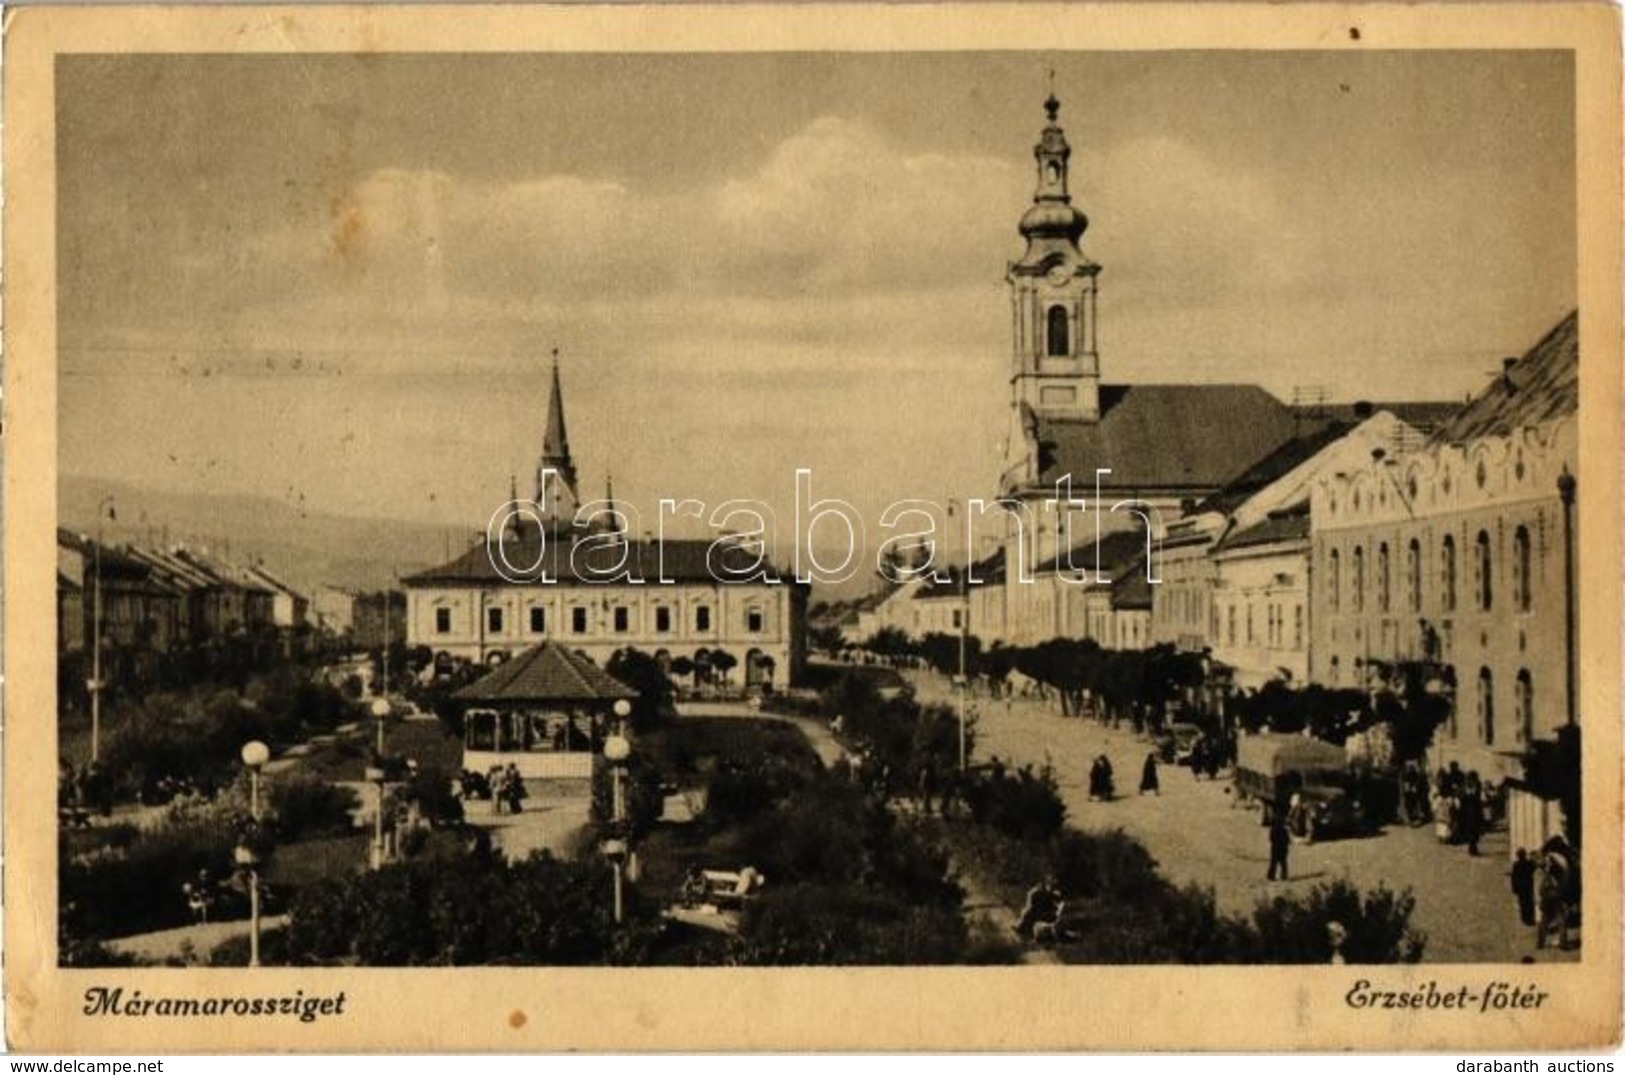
(1148,776)
(1554,911)
(1523,886)
(1043,900)
(1280,844)
(1470,813)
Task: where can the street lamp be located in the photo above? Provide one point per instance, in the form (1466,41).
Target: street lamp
(104,504)
(255,754)
(618,751)
(961,681)
(377,774)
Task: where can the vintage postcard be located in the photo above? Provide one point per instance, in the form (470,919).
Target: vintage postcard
(884,527)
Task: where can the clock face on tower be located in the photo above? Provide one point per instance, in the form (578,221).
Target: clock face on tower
(1059,275)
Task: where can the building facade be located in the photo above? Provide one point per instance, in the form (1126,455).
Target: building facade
(674,599)
(1463,554)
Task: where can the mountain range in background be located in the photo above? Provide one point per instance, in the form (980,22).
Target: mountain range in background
(305,548)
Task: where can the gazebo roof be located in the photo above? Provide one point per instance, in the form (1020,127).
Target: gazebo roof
(546,673)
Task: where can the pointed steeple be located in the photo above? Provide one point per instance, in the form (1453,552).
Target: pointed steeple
(556,457)
(609,498)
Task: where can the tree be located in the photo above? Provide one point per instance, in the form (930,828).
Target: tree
(643,674)
(724,662)
(829,639)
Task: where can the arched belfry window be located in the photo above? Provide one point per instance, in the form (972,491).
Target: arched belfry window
(1059,345)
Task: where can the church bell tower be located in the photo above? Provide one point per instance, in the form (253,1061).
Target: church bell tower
(1054,367)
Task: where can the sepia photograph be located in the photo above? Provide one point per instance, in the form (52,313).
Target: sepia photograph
(1075,509)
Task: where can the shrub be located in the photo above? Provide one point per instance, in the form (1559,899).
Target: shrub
(1377,926)
(309,806)
(457,909)
(820,924)
(140,889)
(1025,804)
(321,924)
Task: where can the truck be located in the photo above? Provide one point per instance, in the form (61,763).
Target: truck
(1308,779)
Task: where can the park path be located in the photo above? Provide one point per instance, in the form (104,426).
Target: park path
(196,940)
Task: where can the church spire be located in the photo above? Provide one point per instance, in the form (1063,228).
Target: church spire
(1055,369)
(609,499)
(1052,221)
(556,457)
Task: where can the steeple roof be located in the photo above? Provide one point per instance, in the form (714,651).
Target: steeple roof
(556,442)
(1053,225)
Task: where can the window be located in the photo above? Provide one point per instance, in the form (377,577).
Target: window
(1297,626)
(623,619)
(663,620)
(578,621)
(1520,569)
(958,620)
(702,618)
(442,621)
(1059,346)
(1337,671)
(1334,573)
(493,620)
(1357,585)
(1249,623)
(1482,574)
(1413,575)
(1384,589)
(1232,618)
(1447,574)
(1525,712)
(538,620)
(1486,706)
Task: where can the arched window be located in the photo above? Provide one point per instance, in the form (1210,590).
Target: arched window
(1384,589)
(1486,706)
(1059,345)
(1482,572)
(1357,584)
(1413,574)
(1525,711)
(1447,574)
(1520,569)
(1334,584)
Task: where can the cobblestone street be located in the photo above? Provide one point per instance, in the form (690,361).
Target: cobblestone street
(1197,834)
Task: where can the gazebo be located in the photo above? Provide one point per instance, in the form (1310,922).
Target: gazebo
(543,711)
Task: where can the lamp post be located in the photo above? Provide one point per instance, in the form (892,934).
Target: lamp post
(961,682)
(255,754)
(377,774)
(105,503)
(618,751)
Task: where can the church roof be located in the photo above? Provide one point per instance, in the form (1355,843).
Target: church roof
(546,673)
(1164,437)
(1542,385)
(1277,463)
(652,561)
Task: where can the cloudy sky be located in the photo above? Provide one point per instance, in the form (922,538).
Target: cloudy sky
(340,278)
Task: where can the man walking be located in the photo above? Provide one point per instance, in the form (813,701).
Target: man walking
(1280,843)
(1523,886)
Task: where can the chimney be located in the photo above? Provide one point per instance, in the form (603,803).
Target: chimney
(1507,364)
